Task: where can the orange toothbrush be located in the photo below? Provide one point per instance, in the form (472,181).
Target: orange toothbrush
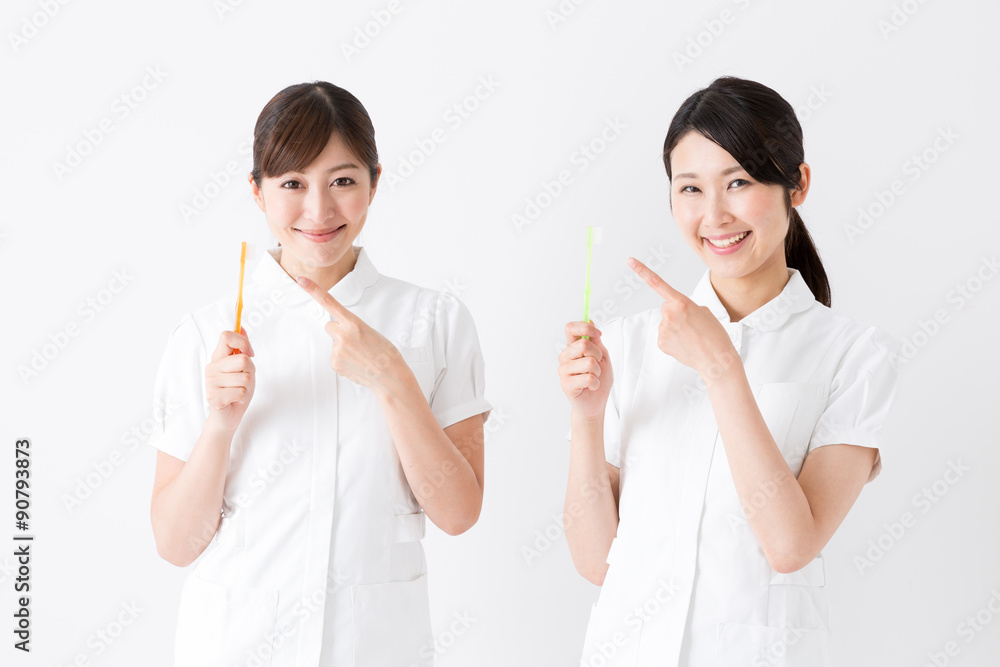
(239,298)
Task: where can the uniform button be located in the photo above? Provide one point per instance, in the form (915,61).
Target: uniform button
(317,311)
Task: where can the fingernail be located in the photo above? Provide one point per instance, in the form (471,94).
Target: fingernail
(300,280)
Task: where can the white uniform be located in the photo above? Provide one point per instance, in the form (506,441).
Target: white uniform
(318,560)
(688,583)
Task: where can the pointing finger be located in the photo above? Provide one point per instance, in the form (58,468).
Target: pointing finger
(653,280)
(324,299)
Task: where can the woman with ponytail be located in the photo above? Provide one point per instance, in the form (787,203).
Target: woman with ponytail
(719,440)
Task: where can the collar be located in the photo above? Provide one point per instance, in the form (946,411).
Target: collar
(795,297)
(269,275)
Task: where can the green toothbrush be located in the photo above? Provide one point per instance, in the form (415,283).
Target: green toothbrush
(593,237)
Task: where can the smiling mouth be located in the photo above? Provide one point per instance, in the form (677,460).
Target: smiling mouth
(320,234)
(728,242)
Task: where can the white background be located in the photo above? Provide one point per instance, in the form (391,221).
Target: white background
(869,103)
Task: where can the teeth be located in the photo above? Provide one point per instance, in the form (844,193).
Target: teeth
(725,243)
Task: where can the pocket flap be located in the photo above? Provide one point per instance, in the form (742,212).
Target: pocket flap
(409,527)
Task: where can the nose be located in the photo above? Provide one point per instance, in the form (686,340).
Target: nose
(716,210)
(319,205)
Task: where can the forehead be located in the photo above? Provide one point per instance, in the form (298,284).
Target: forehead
(697,154)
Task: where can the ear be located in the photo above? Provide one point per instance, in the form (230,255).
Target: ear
(257,195)
(799,194)
(374,186)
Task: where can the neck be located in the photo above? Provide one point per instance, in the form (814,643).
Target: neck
(324,276)
(742,296)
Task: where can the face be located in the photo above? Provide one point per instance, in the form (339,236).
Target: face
(714,199)
(317,213)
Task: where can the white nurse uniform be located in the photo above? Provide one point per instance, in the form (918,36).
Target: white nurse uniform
(688,583)
(318,559)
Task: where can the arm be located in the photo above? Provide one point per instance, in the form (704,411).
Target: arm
(591,500)
(799,518)
(187,496)
(444,467)
(586,377)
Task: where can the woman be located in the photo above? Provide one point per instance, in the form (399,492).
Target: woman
(742,421)
(302,476)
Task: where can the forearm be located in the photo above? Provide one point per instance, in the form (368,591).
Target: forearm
(775,505)
(440,476)
(590,511)
(186,513)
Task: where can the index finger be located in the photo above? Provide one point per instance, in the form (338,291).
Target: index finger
(653,280)
(324,298)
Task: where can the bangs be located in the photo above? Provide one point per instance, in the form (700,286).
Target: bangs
(300,135)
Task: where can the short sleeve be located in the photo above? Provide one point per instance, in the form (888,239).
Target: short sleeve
(460,381)
(861,394)
(180,408)
(611,336)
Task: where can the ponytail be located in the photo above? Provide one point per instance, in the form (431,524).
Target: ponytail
(801,254)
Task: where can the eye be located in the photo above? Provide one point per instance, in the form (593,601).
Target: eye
(344,181)
(287,182)
(741,180)
(685,188)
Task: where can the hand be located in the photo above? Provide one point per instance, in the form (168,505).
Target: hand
(361,354)
(230,378)
(585,370)
(689,333)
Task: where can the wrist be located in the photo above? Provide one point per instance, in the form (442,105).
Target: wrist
(578,418)
(726,367)
(394,378)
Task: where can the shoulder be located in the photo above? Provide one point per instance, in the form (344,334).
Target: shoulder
(852,342)
(198,326)
(434,303)
(853,331)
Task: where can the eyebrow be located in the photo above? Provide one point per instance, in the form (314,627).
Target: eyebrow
(346,165)
(725,172)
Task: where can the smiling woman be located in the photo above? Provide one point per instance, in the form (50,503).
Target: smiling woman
(361,396)
(719,440)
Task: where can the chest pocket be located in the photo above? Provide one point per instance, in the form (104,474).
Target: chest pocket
(421,362)
(791,411)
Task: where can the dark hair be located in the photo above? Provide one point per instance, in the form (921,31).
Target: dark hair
(759,129)
(297,123)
